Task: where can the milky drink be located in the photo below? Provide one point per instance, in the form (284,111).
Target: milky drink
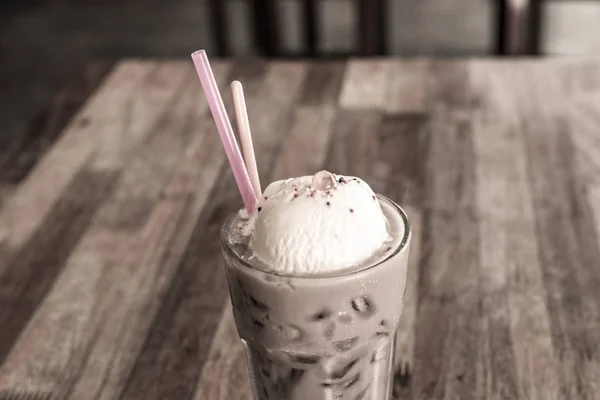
(317,275)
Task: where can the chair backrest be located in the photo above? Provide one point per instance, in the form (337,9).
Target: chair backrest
(379,27)
(265,17)
(519,27)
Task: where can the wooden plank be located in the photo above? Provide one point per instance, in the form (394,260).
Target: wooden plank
(494,142)
(17,160)
(281,78)
(176,350)
(402,147)
(362,140)
(309,139)
(448,321)
(323,83)
(408,83)
(405,337)
(577,75)
(24,396)
(449,86)
(509,251)
(563,235)
(171,125)
(584,120)
(53,347)
(356,145)
(163,241)
(30,279)
(29,205)
(226,358)
(593,196)
(142,114)
(225,374)
(30,272)
(164,235)
(581,179)
(564,293)
(251,75)
(365,85)
(515,322)
(560,209)
(581,215)
(110,289)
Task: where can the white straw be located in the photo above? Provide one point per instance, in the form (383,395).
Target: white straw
(241,116)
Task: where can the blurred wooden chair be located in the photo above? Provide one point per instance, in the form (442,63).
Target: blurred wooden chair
(370,31)
(517,28)
(265,20)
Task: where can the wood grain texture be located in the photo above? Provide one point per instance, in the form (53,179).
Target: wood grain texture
(225,374)
(365,84)
(24,396)
(322,85)
(493,142)
(402,144)
(17,159)
(356,143)
(406,335)
(190,187)
(140,115)
(111,283)
(578,76)
(583,123)
(30,272)
(569,294)
(593,197)
(152,148)
(27,207)
(509,250)
(449,321)
(165,231)
(109,292)
(408,87)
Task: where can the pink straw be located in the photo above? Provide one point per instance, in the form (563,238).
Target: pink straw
(241,116)
(219,113)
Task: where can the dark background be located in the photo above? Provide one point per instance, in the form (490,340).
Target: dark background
(44,42)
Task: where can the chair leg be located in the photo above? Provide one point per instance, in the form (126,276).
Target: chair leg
(311,27)
(519,27)
(219,25)
(266,29)
(372,27)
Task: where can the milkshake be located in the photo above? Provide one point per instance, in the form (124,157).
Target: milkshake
(317,274)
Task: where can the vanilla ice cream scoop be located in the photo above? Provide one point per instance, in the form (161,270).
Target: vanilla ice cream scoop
(315,225)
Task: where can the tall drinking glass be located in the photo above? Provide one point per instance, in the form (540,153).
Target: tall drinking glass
(320,337)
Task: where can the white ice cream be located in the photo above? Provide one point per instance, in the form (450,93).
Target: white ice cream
(316,225)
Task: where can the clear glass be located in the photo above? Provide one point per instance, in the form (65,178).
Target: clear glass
(319,338)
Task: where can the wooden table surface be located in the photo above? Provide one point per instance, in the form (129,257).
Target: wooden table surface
(111,283)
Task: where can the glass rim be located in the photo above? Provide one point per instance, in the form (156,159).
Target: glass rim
(228,248)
